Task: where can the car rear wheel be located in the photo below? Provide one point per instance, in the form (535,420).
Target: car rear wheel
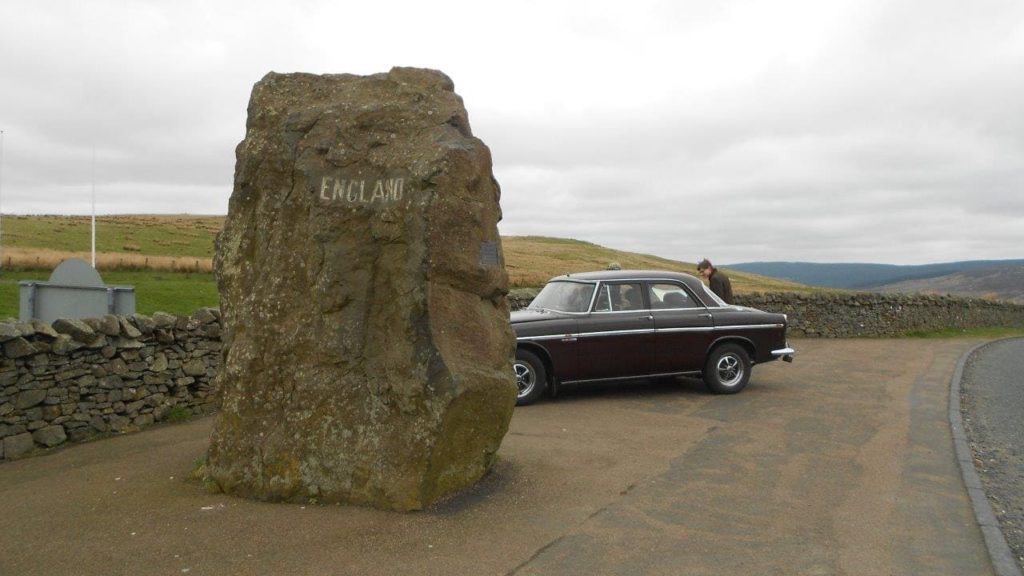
(531,377)
(727,369)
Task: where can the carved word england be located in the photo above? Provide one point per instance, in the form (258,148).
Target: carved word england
(361,191)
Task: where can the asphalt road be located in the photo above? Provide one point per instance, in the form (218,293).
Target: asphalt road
(838,464)
(992,405)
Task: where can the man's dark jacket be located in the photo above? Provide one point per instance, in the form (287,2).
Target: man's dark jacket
(721,285)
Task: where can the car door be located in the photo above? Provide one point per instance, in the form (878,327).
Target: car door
(617,337)
(683,328)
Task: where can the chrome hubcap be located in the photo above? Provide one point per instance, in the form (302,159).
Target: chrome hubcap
(526,378)
(730,370)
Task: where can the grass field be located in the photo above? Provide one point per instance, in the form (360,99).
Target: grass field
(168,258)
(179,293)
(184,242)
(174,236)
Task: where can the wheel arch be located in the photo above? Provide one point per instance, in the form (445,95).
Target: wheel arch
(746,343)
(541,353)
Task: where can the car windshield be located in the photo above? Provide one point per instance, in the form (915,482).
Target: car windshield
(564,297)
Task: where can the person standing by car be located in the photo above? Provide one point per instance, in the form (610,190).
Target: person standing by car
(718,281)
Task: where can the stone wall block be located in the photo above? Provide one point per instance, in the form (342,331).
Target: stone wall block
(164,321)
(99,424)
(77,329)
(8,375)
(97,342)
(9,331)
(51,413)
(119,423)
(127,328)
(143,323)
(213,331)
(50,436)
(109,325)
(194,368)
(18,348)
(127,343)
(159,363)
(64,344)
(29,398)
(18,445)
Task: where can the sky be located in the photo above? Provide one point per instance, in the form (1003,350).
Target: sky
(887,131)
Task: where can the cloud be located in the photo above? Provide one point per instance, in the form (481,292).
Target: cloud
(855,131)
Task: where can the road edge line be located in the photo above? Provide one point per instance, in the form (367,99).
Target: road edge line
(1003,561)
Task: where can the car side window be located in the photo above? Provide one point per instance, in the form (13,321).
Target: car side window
(619,297)
(670,296)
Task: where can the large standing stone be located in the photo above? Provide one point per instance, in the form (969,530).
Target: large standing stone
(367,353)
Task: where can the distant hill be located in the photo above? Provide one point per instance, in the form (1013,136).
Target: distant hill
(862,276)
(998,283)
(532,260)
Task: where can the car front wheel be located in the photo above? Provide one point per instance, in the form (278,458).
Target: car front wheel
(531,377)
(727,369)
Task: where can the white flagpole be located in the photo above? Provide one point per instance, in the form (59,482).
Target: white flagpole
(1,199)
(94,206)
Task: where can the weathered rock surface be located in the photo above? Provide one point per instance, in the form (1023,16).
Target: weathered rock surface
(367,349)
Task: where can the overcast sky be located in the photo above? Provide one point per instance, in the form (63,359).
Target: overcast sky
(878,131)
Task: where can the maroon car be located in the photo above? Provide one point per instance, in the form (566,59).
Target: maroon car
(628,324)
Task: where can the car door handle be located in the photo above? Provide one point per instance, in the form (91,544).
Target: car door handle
(648,317)
(705,315)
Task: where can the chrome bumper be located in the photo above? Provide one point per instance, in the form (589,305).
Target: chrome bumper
(785,353)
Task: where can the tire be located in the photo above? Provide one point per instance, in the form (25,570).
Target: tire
(531,377)
(727,370)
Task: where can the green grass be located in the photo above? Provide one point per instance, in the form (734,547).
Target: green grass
(987,333)
(179,414)
(180,293)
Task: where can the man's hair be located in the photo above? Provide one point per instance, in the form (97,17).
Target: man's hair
(705,263)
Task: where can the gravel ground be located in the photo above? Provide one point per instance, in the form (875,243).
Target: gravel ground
(992,402)
(827,466)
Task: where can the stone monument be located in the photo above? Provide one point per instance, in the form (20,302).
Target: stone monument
(367,347)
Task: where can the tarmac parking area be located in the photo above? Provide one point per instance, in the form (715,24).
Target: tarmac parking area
(838,464)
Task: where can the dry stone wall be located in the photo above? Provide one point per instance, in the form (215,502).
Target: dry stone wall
(78,379)
(866,314)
